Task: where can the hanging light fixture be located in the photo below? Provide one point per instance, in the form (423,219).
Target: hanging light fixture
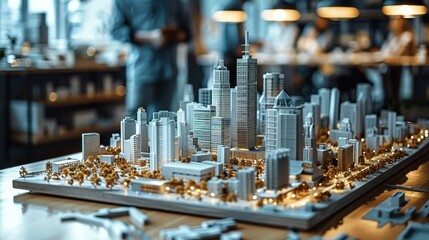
(404,8)
(231,13)
(337,9)
(282,11)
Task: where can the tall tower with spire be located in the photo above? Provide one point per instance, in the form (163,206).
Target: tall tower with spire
(246,106)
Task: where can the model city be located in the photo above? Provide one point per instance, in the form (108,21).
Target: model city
(273,161)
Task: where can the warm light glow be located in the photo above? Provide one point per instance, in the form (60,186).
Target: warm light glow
(231,16)
(338,12)
(404,10)
(254,197)
(280,15)
(52,96)
(90,51)
(120,90)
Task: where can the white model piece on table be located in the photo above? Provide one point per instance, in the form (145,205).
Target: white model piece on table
(388,211)
(208,230)
(116,229)
(202,125)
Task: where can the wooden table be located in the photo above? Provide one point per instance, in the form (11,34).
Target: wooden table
(24,215)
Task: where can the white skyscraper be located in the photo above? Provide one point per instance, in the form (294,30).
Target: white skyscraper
(324,104)
(273,84)
(221,93)
(190,114)
(284,127)
(128,128)
(162,144)
(182,133)
(202,125)
(277,169)
(220,132)
(371,122)
(365,90)
(351,111)
(246,98)
(233,117)
(391,124)
(142,129)
(309,139)
(357,150)
(90,145)
(135,148)
(246,183)
(333,108)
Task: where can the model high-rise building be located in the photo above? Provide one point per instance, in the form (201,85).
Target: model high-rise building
(357,150)
(246,183)
(284,127)
(273,84)
(221,93)
(135,150)
(223,154)
(190,114)
(115,140)
(90,145)
(333,108)
(205,96)
(324,155)
(220,132)
(142,129)
(128,128)
(324,101)
(371,122)
(202,125)
(351,111)
(246,98)
(391,124)
(162,144)
(277,169)
(182,134)
(365,90)
(233,117)
(345,157)
(309,140)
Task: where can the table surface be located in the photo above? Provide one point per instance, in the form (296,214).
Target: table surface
(25,215)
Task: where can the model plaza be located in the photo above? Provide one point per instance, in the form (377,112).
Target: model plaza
(272,155)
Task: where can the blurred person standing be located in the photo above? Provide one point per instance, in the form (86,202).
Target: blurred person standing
(400,42)
(316,38)
(153,28)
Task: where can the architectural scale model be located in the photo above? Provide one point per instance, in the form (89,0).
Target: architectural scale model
(288,165)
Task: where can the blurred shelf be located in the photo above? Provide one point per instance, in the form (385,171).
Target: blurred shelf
(21,137)
(83,99)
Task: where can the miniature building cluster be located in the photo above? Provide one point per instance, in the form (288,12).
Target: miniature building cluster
(277,147)
(265,160)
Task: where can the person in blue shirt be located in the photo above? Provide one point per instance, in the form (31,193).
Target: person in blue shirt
(153,28)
